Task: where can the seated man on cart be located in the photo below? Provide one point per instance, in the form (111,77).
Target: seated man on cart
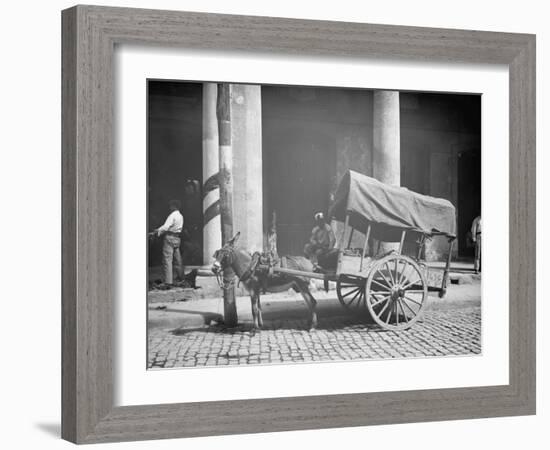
(321,242)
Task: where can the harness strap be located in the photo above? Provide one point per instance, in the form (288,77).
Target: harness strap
(251,269)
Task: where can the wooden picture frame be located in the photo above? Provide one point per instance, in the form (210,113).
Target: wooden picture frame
(89,37)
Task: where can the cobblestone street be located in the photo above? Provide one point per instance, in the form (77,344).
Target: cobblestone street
(441,333)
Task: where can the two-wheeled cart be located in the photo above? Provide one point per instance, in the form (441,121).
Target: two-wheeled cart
(376,222)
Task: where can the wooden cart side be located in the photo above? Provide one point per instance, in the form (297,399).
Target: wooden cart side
(341,244)
(365,247)
(402,241)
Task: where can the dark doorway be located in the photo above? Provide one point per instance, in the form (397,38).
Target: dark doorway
(297,179)
(469,198)
(310,138)
(174,162)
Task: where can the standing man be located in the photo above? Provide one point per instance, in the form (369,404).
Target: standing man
(322,239)
(171,230)
(476,237)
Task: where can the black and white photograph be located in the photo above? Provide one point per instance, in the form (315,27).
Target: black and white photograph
(302,224)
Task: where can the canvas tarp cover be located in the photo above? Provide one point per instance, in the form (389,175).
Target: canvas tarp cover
(392,206)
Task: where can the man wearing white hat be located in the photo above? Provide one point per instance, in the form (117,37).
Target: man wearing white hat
(322,239)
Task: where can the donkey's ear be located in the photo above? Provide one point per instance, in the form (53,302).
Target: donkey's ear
(234,238)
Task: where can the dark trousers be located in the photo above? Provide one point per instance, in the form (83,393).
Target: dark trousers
(313,251)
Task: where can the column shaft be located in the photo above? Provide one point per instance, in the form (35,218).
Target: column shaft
(386,137)
(386,155)
(246,116)
(210,167)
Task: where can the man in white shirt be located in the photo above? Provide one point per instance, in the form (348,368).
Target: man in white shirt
(476,237)
(171,230)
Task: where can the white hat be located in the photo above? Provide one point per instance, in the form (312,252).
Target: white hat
(319,216)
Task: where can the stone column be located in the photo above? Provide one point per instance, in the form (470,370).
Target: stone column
(386,155)
(386,162)
(212,236)
(246,116)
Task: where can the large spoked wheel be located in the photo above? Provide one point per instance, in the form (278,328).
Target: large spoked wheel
(351,292)
(396,292)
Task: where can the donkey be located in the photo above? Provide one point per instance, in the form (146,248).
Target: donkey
(241,262)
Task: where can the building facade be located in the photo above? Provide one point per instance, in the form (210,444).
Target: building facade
(292,145)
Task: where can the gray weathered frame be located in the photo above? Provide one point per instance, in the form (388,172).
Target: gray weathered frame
(89,36)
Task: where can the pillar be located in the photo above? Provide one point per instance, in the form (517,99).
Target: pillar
(212,237)
(386,162)
(386,155)
(246,117)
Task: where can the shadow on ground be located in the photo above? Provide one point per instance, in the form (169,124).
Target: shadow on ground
(207,316)
(287,322)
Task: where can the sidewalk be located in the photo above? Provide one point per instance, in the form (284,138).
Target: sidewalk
(178,309)
(461,273)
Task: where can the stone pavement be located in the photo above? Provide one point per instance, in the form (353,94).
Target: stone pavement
(448,328)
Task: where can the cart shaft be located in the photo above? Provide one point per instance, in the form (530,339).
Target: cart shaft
(301,273)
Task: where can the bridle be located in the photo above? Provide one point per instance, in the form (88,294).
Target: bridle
(225,257)
(225,284)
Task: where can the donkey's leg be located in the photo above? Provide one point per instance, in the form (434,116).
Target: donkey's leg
(254,296)
(311,304)
(313,310)
(260,318)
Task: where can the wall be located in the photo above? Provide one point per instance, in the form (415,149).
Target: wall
(30,169)
(436,130)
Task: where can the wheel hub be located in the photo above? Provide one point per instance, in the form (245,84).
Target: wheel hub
(397,292)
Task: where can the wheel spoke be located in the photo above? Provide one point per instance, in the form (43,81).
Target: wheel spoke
(414,291)
(354,297)
(390,313)
(377,302)
(411,283)
(399,275)
(402,274)
(374,293)
(383,309)
(389,283)
(381,285)
(411,300)
(396,313)
(351,292)
(362,300)
(391,274)
(402,309)
(410,309)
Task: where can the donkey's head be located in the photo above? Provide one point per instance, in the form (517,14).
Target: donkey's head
(224,256)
